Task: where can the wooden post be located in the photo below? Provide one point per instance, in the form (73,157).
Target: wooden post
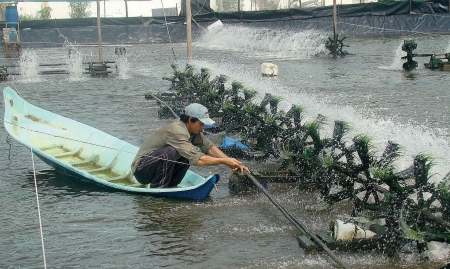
(239,10)
(334,29)
(188,29)
(99,30)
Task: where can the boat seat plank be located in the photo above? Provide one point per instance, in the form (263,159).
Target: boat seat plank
(121,177)
(92,159)
(138,185)
(103,168)
(100,169)
(68,153)
(51,147)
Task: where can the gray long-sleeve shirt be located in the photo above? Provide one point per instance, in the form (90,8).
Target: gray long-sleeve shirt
(176,135)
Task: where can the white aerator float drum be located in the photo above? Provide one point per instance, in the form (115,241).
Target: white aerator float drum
(269,70)
(349,231)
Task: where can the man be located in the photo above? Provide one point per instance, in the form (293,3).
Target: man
(165,156)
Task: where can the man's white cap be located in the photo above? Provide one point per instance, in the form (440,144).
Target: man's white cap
(200,112)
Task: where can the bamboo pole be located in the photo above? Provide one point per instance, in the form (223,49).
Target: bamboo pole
(334,29)
(99,30)
(188,29)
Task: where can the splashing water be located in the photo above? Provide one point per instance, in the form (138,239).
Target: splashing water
(28,66)
(281,44)
(397,64)
(75,66)
(122,66)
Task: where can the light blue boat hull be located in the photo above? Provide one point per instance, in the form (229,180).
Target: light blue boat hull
(86,153)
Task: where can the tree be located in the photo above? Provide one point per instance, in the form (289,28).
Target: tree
(79,9)
(44,14)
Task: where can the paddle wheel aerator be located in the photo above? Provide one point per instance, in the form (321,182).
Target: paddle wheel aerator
(435,63)
(329,44)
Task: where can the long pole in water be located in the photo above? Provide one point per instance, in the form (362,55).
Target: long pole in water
(334,29)
(162,102)
(294,221)
(188,29)
(99,31)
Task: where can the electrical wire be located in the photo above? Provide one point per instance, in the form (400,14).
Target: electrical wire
(168,32)
(84,142)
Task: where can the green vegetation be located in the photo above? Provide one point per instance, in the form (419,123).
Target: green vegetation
(79,10)
(43,14)
(27,17)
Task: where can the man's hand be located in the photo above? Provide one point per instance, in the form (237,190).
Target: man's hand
(218,157)
(235,164)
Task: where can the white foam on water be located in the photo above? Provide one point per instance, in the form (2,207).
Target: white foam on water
(122,67)
(257,228)
(266,43)
(397,63)
(28,66)
(75,67)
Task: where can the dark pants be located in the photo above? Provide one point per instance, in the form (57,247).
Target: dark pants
(162,168)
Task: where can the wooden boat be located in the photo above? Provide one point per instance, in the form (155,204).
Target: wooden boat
(87,153)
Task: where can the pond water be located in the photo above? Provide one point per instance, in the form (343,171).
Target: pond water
(85,226)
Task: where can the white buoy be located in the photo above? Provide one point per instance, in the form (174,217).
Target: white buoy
(269,70)
(349,231)
(216,24)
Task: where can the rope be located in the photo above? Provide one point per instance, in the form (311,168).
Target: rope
(38,209)
(167,28)
(37,195)
(393,30)
(294,221)
(88,143)
(66,41)
(8,141)
(200,9)
(201,27)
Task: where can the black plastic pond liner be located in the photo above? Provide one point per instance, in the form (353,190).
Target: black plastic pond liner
(392,18)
